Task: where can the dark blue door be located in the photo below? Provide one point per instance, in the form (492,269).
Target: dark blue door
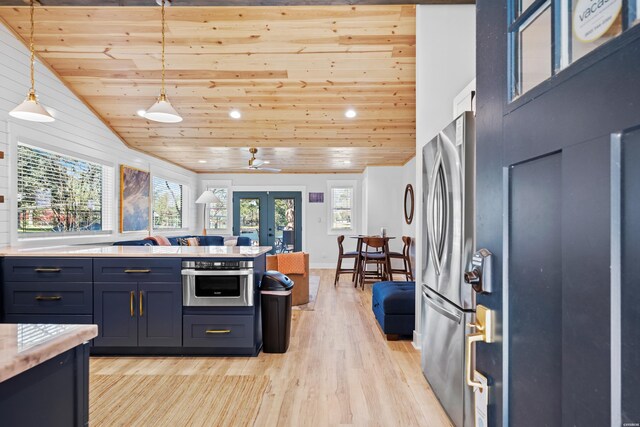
(565,348)
(115,314)
(159,312)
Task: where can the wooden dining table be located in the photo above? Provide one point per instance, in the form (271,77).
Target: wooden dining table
(359,245)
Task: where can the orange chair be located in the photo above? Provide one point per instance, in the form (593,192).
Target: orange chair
(300,292)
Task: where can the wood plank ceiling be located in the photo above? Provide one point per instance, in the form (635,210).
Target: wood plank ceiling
(291,71)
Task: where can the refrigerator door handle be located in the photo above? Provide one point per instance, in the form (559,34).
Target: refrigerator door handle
(449,314)
(431,234)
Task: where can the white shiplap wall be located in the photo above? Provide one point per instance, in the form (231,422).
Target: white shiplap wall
(76,131)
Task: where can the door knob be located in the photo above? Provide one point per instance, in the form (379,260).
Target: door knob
(484,324)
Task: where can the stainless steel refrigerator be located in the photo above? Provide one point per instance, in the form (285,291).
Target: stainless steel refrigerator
(448,303)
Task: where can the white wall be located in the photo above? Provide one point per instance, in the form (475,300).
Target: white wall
(445,64)
(76,131)
(384,201)
(316,239)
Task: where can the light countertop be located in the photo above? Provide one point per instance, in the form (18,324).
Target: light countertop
(23,346)
(141,251)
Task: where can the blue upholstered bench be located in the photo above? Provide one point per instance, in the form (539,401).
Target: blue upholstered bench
(394,305)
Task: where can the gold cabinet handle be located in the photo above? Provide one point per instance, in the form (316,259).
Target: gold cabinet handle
(141,309)
(218,331)
(48,298)
(47,270)
(132,295)
(137,271)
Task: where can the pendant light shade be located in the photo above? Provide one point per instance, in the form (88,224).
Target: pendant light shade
(30,109)
(162,111)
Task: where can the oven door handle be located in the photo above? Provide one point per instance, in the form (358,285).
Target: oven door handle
(190,272)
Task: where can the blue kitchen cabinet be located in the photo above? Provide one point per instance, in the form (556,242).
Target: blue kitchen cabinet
(47,290)
(159,314)
(143,314)
(115,313)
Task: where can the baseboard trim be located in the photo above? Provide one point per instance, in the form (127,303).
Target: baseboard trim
(417,339)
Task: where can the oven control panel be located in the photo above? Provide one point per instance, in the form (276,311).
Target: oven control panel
(217,265)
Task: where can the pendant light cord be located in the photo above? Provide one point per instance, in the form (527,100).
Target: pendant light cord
(32,50)
(162,93)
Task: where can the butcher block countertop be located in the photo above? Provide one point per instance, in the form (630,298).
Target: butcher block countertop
(140,251)
(24,346)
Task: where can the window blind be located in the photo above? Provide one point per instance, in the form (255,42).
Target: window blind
(167,204)
(59,193)
(341,208)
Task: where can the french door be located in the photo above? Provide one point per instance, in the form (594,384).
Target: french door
(269,218)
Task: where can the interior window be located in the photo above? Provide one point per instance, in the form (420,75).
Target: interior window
(342,208)
(218,212)
(60,194)
(167,204)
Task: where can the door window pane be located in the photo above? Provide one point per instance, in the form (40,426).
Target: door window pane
(250,219)
(524,4)
(285,223)
(594,22)
(535,52)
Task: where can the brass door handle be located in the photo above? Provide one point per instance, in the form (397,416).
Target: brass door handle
(47,270)
(484,327)
(132,295)
(218,331)
(141,309)
(469,341)
(137,271)
(48,298)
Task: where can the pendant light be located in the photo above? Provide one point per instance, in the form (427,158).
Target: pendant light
(162,111)
(31,109)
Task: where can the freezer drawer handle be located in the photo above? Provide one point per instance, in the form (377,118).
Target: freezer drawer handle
(450,314)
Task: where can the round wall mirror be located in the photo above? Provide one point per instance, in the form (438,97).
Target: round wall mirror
(408,204)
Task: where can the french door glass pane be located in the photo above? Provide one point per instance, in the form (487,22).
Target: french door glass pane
(535,52)
(250,219)
(593,24)
(285,225)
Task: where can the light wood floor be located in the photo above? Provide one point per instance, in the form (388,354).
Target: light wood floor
(339,370)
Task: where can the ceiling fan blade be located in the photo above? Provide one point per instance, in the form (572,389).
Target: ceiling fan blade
(269,169)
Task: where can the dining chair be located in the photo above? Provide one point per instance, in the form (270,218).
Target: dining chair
(342,255)
(405,256)
(374,253)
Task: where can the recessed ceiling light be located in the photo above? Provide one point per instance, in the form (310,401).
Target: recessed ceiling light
(347,162)
(350,113)
(202,161)
(235,114)
(266,162)
(141,113)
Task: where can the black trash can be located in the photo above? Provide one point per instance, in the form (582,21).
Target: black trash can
(275,290)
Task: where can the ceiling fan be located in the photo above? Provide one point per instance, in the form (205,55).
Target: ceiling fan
(258,164)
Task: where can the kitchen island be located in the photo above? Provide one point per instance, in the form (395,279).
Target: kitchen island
(44,374)
(135,296)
